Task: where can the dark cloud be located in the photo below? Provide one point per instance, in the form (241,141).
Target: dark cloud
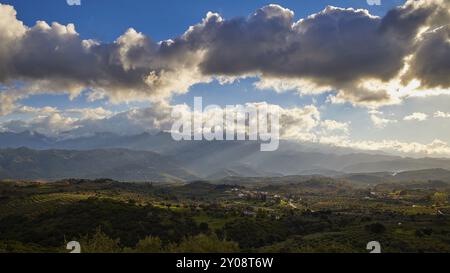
(337,48)
(53,58)
(430,58)
(333,46)
(431,62)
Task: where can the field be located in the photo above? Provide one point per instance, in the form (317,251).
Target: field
(300,215)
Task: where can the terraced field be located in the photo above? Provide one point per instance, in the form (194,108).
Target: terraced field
(37,204)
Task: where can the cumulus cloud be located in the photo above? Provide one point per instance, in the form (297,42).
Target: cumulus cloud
(430,62)
(334,50)
(416,117)
(440,114)
(378,120)
(7,101)
(332,47)
(53,58)
(333,126)
(90,113)
(51,125)
(52,121)
(296,123)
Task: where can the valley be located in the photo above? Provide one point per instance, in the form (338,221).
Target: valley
(295,214)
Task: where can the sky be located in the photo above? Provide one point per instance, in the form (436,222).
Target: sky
(344,73)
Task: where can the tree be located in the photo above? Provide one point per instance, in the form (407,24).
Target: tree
(204,244)
(149,245)
(203,227)
(99,243)
(439,198)
(376,228)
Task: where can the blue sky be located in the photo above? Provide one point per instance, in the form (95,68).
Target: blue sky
(106,20)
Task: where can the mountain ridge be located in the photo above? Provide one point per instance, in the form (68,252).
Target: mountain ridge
(118,164)
(219,159)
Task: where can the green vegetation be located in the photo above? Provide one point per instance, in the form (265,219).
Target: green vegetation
(315,215)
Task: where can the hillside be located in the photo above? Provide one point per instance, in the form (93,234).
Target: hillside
(118,164)
(219,159)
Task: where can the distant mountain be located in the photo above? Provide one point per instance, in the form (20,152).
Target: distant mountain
(219,159)
(291,161)
(208,158)
(117,164)
(28,139)
(427,175)
(161,142)
(398,165)
(322,172)
(422,175)
(224,173)
(241,171)
(430,178)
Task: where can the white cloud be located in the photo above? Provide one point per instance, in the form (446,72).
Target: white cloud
(435,148)
(73,2)
(416,117)
(90,113)
(299,123)
(378,121)
(302,86)
(52,121)
(52,124)
(440,114)
(332,125)
(36,111)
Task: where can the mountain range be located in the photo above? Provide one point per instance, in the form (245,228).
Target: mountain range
(157,157)
(117,164)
